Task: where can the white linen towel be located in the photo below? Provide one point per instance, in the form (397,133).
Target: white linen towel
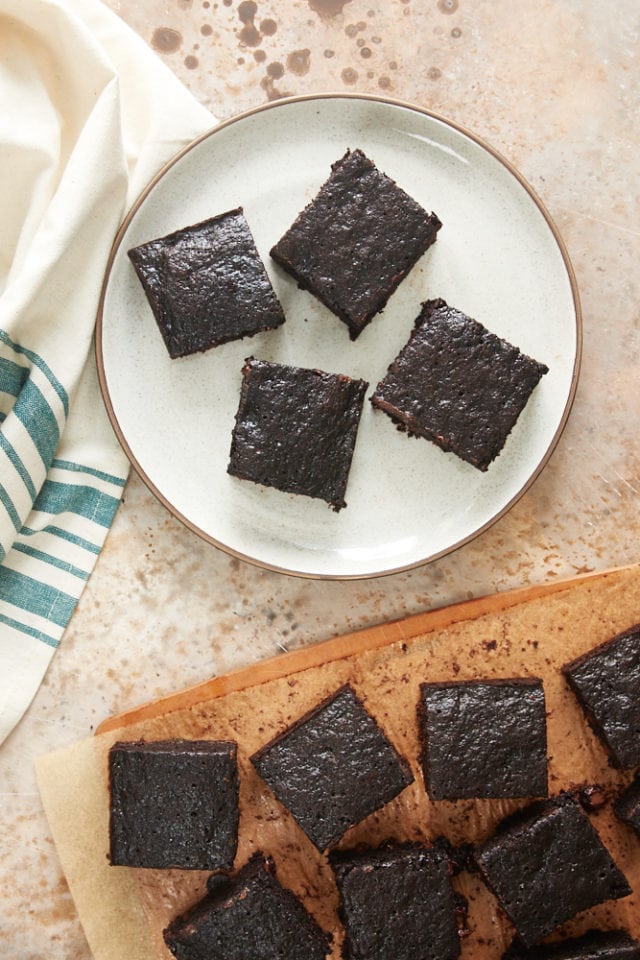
(88,114)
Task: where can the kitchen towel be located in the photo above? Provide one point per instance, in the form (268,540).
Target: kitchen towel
(88,114)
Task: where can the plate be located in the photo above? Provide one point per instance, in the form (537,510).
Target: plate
(498,258)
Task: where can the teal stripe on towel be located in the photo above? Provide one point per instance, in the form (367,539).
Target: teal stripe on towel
(39,421)
(80,468)
(6,500)
(18,465)
(50,559)
(30,631)
(36,597)
(12,376)
(81,499)
(64,535)
(41,365)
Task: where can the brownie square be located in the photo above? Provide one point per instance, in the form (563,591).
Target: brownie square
(206,284)
(592,945)
(248,917)
(606,682)
(457,384)
(397,901)
(546,864)
(174,803)
(483,738)
(627,805)
(295,429)
(356,240)
(333,767)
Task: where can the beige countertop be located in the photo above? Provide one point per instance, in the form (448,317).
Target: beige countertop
(554,86)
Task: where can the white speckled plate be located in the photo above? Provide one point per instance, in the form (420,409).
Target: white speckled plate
(498,257)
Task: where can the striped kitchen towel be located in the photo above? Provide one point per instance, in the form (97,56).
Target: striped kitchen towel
(88,114)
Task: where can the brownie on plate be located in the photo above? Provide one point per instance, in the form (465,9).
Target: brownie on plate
(206,284)
(546,864)
(295,429)
(606,682)
(457,384)
(483,738)
(174,803)
(592,945)
(333,767)
(356,240)
(397,901)
(248,917)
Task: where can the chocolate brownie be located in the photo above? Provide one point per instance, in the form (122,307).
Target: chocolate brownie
(546,864)
(333,767)
(174,803)
(206,284)
(483,738)
(356,240)
(248,917)
(295,429)
(627,805)
(457,384)
(592,945)
(606,682)
(397,901)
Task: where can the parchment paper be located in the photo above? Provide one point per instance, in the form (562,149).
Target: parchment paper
(124,911)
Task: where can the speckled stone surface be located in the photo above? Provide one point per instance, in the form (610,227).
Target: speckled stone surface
(553,85)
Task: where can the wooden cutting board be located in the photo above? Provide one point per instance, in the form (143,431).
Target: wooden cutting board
(528,632)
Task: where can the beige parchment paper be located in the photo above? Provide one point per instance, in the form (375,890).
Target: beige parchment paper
(527,633)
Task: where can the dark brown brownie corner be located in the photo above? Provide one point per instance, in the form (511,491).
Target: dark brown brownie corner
(592,945)
(627,805)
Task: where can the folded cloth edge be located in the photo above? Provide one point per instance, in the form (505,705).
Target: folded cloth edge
(62,471)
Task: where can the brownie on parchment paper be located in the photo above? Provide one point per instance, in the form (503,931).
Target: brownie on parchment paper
(295,429)
(606,682)
(174,804)
(206,284)
(356,240)
(627,805)
(457,384)
(592,945)
(483,738)
(547,863)
(248,917)
(333,767)
(397,901)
